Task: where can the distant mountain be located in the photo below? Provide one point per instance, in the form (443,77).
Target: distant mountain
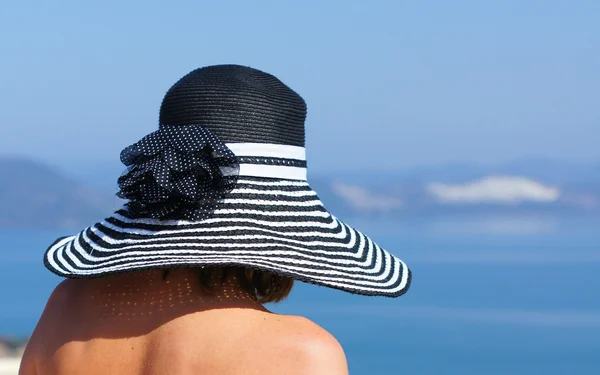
(548,171)
(35,195)
(524,187)
(488,194)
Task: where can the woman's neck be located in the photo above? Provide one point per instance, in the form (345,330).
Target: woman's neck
(173,289)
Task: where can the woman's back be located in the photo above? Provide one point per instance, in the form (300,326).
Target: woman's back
(141,323)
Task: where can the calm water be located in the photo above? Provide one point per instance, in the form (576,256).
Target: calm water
(485,299)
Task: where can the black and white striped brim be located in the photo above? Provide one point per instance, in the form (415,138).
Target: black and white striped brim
(271,221)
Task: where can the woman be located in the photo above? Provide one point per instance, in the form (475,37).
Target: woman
(219,220)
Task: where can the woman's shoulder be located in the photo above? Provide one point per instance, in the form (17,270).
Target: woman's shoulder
(307,347)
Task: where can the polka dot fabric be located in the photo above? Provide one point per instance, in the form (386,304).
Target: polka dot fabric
(176,173)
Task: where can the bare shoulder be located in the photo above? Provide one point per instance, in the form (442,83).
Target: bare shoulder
(61,297)
(53,308)
(62,292)
(310,349)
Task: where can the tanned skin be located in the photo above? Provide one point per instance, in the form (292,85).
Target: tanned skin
(139,323)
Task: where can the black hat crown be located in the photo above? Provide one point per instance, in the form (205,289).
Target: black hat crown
(238,104)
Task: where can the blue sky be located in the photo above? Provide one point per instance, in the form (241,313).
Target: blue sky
(389,84)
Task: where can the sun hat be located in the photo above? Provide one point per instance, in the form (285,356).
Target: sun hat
(222,182)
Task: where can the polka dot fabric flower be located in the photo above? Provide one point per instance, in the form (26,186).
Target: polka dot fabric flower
(176,173)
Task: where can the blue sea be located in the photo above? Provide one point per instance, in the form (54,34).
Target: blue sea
(489,296)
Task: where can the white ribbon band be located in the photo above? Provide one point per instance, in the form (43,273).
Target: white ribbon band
(267,150)
(271,151)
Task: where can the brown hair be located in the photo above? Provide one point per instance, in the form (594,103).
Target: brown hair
(264,286)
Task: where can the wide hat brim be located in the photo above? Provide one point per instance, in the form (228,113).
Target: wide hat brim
(275,225)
